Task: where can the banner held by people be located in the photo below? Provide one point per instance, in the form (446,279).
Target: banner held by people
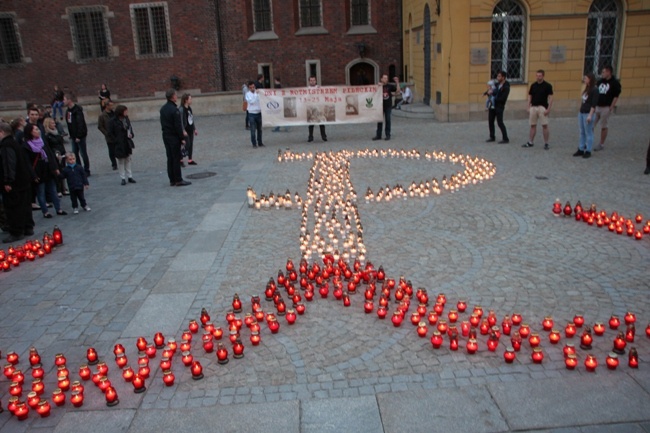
(321,105)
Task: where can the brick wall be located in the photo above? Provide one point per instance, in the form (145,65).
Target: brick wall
(288,52)
(47,47)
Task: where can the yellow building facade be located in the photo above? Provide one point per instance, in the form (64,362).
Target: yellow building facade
(452,48)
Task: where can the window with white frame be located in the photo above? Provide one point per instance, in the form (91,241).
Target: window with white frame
(360,12)
(312,69)
(508,40)
(262,16)
(91,38)
(603,29)
(151,30)
(10,47)
(310,13)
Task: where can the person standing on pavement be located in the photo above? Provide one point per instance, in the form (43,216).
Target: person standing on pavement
(103,121)
(46,170)
(187,117)
(16,175)
(609,89)
(388,89)
(496,112)
(540,101)
(121,134)
(585,116)
(277,84)
(254,114)
(173,137)
(323,135)
(78,130)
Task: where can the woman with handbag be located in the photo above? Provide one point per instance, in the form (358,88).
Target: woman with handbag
(121,133)
(45,168)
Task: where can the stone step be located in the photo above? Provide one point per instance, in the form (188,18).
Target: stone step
(416,110)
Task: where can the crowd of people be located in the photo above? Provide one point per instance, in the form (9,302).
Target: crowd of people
(37,170)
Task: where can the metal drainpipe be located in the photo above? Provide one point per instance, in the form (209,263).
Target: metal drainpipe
(222,67)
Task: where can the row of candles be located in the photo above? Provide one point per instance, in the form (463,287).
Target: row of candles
(307,274)
(30,250)
(614,222)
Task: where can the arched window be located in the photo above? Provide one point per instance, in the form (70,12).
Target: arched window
(603,28)
(508,39)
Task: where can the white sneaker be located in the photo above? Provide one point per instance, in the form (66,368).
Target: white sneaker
(75,211)
(87,208)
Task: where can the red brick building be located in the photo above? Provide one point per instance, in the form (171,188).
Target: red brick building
(136,48)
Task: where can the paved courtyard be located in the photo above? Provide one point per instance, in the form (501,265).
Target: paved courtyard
(149,257)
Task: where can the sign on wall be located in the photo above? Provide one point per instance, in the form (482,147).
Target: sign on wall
(321,105)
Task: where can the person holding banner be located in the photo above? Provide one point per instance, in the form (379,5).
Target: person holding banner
(387,92)
(312,83)
(254,114)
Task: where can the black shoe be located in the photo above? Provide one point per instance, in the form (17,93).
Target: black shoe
(182,164)
(387,138)
(172,183)
(506,141)
(527,144)
(490,140)
(579,153)
(310,139)
(546,146)
(29,232)
(47,215)
(131,180)
(647,170)
(587,155)
(376,137)
(115,167)
(191,163)
(123,181)
(260,144)
(61,212)
(183,183)
(324,138)
(12,238)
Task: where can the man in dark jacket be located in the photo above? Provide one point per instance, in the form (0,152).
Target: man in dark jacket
(77,129)
(172,133)
(16,186)
(103,121)
(496,112)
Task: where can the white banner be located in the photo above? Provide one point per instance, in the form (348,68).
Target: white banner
(321,105)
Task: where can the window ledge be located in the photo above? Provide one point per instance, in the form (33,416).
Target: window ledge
(263,36)
(319,30)
(362,30)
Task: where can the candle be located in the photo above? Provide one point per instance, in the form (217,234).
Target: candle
(138,384)
(509,355)
(591,363)
(197,370)
(111,396)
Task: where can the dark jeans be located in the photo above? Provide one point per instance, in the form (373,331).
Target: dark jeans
(80,148)
(173,150)
(111,153)
(380,125)
(47,187)
(255,123)
(322,131)
(77,194)
(497,114)
(18,210)
(189,143)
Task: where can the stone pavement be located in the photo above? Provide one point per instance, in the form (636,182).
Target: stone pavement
(148,257)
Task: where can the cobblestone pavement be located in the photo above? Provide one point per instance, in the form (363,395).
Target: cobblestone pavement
(148,257)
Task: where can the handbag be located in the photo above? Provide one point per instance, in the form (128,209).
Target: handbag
(131,143)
